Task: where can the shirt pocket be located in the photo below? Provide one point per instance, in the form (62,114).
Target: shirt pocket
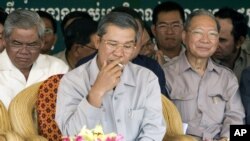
(133,123)
(185,101)
(217,103)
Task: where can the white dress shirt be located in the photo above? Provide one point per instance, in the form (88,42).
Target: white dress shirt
(12,80)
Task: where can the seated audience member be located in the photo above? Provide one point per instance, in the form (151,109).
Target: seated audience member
(205,93)
(3,16)
(142,42)
(148,48)
(245,92)
(230,52)
(50,32)
(21,61)
(111,91)
(168,19)
(76,31)
(79,40)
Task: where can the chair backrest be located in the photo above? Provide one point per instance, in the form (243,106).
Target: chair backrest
(21,112)
(172,118)
(174,122)
(46,108)
(4,118)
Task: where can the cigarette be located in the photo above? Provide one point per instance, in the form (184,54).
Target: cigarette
(120,65)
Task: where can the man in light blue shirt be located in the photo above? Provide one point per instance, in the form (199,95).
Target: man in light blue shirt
(110,90)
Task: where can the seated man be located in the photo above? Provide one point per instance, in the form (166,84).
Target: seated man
(142,42)
(50,36)
(109,90)
(231,52)
(21,61)
(205,93)
(78,38)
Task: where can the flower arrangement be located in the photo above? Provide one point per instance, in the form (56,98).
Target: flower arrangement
(95,134)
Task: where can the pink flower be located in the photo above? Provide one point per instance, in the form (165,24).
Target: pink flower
(79,138)
(65,139)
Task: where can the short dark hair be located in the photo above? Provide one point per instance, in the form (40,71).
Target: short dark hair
(73,15)
(167,7)
(131,12)
(120,19)
(239,21)
(44,14)
(79,31)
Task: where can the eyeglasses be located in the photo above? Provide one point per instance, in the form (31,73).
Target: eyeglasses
(175,26)
(35,46)
(48,31)
(199,33)
(127,47)
(87,46)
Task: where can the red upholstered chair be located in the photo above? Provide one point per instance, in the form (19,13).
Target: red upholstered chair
(46,107)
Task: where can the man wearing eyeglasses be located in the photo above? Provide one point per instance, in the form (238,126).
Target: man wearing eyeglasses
(109,90)
(205,93)
(168,19)
(50,37)
(21,61)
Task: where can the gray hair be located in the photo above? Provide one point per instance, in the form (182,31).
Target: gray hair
(23,19)
(120,19)
(199,12)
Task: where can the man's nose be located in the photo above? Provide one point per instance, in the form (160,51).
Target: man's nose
(119,51)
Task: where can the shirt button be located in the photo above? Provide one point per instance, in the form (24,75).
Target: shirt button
(118,120)
(115,98)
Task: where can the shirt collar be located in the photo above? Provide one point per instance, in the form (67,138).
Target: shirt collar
(185,65)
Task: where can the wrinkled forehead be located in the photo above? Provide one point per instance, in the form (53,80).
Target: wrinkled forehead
(202,21)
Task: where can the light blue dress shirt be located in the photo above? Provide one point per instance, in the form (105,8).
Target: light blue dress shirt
(133,109)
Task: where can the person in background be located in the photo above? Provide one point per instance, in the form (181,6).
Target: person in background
(205,93)
(142,42)
(50,32)
(111,91)
(67,20)
(148,48)
(79,39)
(21,61)
(71,16)
(168,19)
(3,16)
(230,52)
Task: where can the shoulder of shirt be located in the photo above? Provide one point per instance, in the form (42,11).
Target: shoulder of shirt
(50,60)
(171,65)
(136,67)
(222,68)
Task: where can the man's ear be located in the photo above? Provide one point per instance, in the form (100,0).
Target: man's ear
(183,36)
(153,29)
(97,41)
(240,42)
(4,42)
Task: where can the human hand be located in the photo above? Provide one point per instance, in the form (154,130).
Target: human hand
(107,79)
